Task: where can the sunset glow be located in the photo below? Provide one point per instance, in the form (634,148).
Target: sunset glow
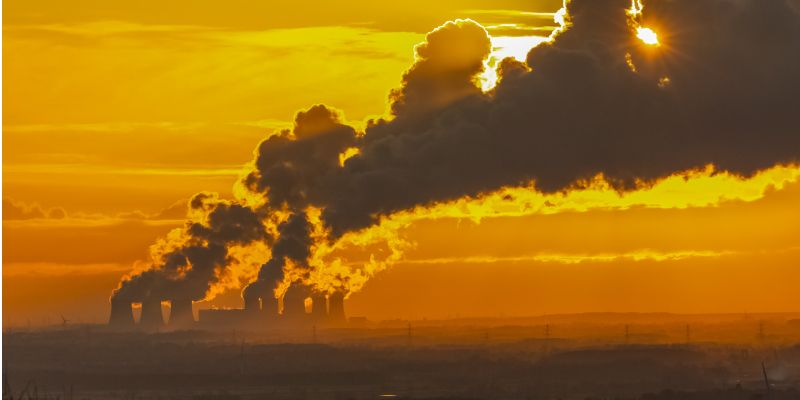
(169,144)
(484,199)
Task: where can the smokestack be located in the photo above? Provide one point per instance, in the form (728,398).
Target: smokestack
(180,315)
(151,314)
(336,308)
(319,307)
(294,302)
(121,314)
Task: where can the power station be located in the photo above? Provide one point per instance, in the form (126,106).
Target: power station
(261,310)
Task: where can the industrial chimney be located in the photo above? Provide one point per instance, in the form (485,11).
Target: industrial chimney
(336,308)
(151,314)
(121,314)
(319,307)
(181,314)
(294,303)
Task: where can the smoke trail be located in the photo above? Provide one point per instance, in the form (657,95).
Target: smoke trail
(593,104)
(193,259)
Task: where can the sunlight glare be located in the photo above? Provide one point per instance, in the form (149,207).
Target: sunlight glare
(516,47)
(647,36)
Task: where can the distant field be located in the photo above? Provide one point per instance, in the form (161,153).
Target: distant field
(569,357)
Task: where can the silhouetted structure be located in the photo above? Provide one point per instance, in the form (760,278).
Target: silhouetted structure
(121,314)
(319,307)
(261,311)
(269,306)
(627,334)
(260,303)
(294,303)
(151,314)
(336,308)
(181,314)
(766,380)
(252,304)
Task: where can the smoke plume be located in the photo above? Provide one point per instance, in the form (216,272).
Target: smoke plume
(720,87)
(194,258)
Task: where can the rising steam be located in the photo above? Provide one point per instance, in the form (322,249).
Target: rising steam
(592,106)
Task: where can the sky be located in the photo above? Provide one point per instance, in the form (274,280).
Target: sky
(115,116)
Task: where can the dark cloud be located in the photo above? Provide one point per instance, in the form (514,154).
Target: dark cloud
(593,101)
(293,243)
(294,240)
(447,65)
(509,69)
(581,111)
(229,223)
(189,269)
(292,162)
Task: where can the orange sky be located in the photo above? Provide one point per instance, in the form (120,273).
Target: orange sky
(117,115)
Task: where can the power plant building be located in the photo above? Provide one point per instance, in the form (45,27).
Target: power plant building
(261,310)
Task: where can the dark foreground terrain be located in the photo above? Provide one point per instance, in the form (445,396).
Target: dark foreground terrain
(456,362)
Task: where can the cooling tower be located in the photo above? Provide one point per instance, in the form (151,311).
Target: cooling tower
(252,304)
(319,307)
(269,305)
(336,308)
(121,314)
(260,301)
(294,303)
(180,315)
(151,314)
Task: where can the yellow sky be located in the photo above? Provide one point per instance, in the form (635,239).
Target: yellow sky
(117,114)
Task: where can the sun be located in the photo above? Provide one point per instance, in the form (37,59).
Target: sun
(647,36)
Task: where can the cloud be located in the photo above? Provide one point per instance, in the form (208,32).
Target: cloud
(174,211)
(581,111)
(33,214)
(447,65)
(192,259)
(415,15)
(17,210)
(289,163)
(590,105)
(644,254)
